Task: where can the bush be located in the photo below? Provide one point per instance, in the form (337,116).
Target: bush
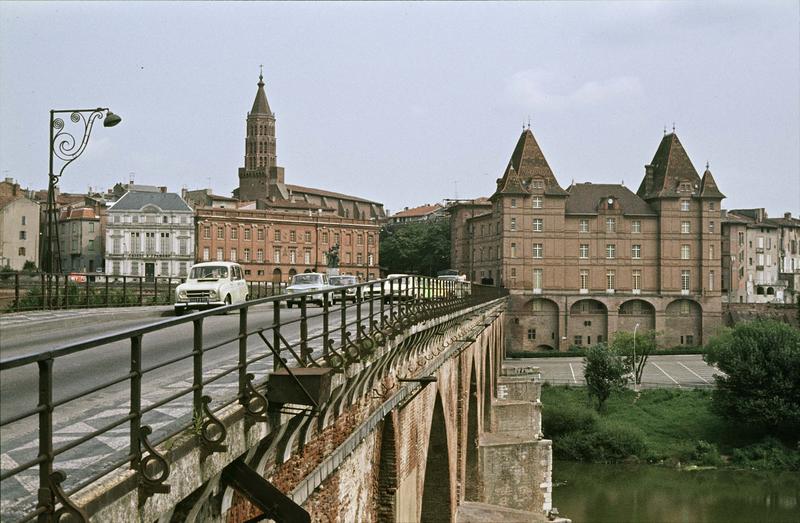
(760,388)
(612,443)
(769,453)
(559,420)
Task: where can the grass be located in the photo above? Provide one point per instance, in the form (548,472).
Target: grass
(677,426)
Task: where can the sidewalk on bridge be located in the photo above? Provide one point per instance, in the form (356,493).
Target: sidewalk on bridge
(55,318)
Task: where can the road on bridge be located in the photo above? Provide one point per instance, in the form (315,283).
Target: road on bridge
(82,371)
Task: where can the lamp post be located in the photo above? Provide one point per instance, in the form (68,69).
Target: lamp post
(635,381)
(65,147)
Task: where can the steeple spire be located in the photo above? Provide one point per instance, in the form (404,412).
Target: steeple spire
(261,76)
(260,104)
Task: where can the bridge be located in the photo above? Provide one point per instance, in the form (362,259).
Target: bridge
(396,407)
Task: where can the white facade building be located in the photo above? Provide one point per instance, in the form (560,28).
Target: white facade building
(150,233)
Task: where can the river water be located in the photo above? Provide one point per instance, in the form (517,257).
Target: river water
(593,493)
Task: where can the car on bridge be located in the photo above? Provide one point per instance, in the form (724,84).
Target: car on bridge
(211,284)
(343,280)
(306,282)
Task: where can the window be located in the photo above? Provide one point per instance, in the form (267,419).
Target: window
(636,226)
(689,339)
(685,187)
(260,255)
(91,245)
(686,227)
(233,255)
(91,225)
(537,250)
(370,259)
(537,278)
(370,239)
(325,237)
(307,237)
(246,254)
(538,225)
(135,218)
(336,237)
(610,276)
(684,205)
(247,233)
(760,260)
(611,225)
(260,234)
(220,254)
(277,256)
(711,206)
(150,242)
(711,280)
(513,271)
(537,200)
(220,232)
(611,251)
(115,246)
(583,250)
(711,226)
(710,252)
(21,251)
(307,257)
(135,268)
(206,254)
(234,233)
(636,277)
(538,183)
(537,304)
(685,251)
(277,235)
(584,279)
(115,267)
(513,250)
(685,280)
(182,246)
(292,236)
(164,248)
(578,340)
(636,252)
(23,235)
(207,232)
(165,265)
(513,224)
(769,243)
(583,225)
(513,203)
(531,334)
(292,256)
(24,220)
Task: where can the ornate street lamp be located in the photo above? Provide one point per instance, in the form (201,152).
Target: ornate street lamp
(65,147)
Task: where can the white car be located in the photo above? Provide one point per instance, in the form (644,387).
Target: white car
(211,284)
(343,280)
(305,282)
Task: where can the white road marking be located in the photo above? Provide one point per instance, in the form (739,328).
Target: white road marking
(665,374)
(693,372)
(573,373)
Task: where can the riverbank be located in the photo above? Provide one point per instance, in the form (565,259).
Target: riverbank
(674,427)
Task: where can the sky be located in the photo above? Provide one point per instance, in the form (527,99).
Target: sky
(408,103)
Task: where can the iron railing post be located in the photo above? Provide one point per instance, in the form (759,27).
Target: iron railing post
(197,381)
(343,317)
(276,333)
(86,287)
(391,298)
(66,291)
(44,296)
(106,289)
(16,291)
(382,297)
(242,354)
(358,313)
(325,325)
(371,304)
(124,290)
(46,498)
(303,331)
(141,289)
(155,290)
(136,400)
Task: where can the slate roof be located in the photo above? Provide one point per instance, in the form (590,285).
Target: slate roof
(670,166)
(136,200)
(260,104)
(584,198)
(422,210)
(708,186)
(528,161)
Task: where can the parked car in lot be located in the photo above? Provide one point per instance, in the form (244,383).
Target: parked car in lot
(211,284)
(308,281)
(343,280)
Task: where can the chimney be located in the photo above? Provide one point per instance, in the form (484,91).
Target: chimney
(10,180)
(163,189)
(787,215)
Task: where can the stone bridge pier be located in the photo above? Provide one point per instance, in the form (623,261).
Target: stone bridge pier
(435,426)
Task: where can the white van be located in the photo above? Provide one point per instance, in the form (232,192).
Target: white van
(211,284)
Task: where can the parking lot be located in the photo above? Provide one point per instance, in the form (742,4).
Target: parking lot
(684,371)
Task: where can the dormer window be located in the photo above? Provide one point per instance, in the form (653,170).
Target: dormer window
(538,183)
(685,187)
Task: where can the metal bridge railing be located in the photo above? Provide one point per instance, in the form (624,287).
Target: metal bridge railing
(333,336)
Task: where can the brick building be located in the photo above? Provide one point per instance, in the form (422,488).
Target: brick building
(591,259)
(275,229)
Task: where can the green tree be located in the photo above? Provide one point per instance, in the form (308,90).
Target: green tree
(623,344)
(604,371)
(417,247)
(761,384)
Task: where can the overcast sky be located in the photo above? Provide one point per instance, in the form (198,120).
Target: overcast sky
(408,103)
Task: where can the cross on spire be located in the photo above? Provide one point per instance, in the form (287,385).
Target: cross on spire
(673,127)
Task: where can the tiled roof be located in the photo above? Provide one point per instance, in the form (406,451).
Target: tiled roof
(422,210)
(584,198)
(708,186)
(670,166)
(329,194)
(528,162)
(84,213)
(135,200)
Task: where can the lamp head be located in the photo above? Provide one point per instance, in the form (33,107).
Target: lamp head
(111,119)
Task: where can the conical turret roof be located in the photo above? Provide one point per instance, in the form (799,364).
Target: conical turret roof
(260,104)
(670,166)
(708,186)
(528,162)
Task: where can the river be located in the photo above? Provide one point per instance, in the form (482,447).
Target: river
(593,493)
